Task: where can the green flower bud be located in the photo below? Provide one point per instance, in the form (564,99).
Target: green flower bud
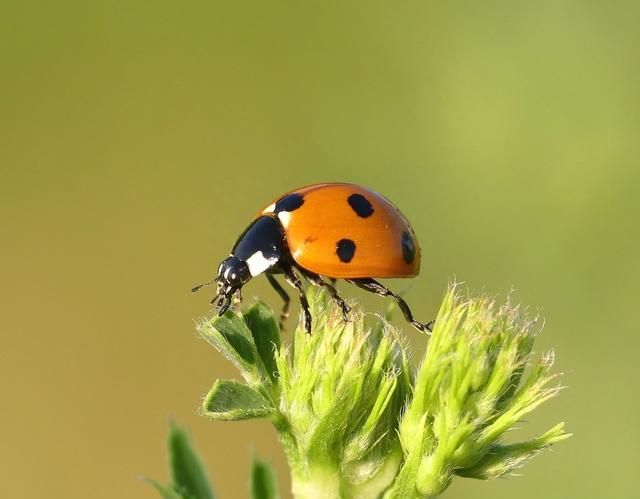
(356,419)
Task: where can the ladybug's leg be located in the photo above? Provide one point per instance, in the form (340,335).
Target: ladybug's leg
(292,278)
(223,304)
(374,286)
(316,280)
(285,297)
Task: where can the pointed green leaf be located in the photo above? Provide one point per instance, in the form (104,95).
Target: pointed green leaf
(266,335)
(189,477)
(263,481)
(232,401)
(230,335)
(502,459)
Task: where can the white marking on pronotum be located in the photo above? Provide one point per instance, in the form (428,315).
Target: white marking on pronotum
(285,218)
(257,263)
(270,208)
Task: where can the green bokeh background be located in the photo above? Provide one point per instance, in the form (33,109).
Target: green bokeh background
(137,139)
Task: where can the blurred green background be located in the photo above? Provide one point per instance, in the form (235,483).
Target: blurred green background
(137,139)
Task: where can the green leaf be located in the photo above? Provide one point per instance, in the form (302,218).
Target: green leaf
(232,401)
(187,473)
(266,335)
(263,481)
(230,335)
(502,459)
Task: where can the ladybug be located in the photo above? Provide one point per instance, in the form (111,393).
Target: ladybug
(332,230)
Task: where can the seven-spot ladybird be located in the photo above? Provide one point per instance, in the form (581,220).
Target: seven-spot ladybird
(333,230)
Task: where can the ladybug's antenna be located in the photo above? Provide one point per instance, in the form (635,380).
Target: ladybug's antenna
(204,285)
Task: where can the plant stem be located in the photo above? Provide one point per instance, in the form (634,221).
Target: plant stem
(316,483)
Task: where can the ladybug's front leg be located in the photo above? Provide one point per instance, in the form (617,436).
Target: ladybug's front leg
(292,278)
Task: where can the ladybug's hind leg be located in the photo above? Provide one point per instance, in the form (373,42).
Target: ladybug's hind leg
(292,278)
(316,280)
(284,314)
(374,286)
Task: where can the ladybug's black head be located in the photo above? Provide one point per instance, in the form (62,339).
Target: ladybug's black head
(233,273)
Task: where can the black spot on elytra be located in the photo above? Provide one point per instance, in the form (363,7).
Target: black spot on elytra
(345,249)
(408,247)
(290,202)
(360,205)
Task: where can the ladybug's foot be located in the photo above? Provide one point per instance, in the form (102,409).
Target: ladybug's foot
(343,306)
(345,309)
(341,303)
(306,321)
(283,318)
(423,328)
